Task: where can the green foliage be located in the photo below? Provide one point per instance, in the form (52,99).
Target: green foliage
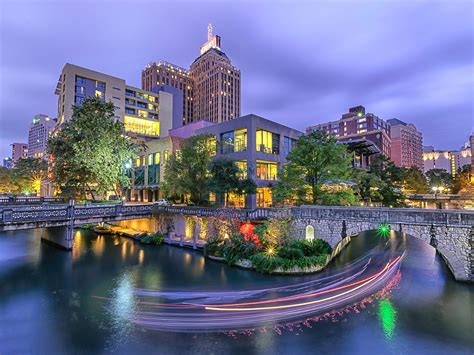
(226,177)
(414,181)
(7,184)
(440,177)
(274,232)
(155,238)
(314,247)
(187,173)
(268,263)
(316,158)
(382,183)
(237,248)
(89,151)
(290,252)
(214,248)
(345,197)
(28,174)
(463,179)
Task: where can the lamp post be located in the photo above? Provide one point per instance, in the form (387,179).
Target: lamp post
(437,189)
(125,166)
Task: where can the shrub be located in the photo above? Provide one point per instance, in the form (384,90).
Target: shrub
(264,263)
(156,238)
(290,252)
(237,247)
(313,248)
(214,247)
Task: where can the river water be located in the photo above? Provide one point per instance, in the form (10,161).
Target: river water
(87,302)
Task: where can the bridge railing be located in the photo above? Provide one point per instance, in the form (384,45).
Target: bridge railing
(244,214)
(386,215)
(25,200)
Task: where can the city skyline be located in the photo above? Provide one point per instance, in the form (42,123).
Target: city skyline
(283,77)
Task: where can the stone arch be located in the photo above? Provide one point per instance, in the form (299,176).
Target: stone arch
(309,233)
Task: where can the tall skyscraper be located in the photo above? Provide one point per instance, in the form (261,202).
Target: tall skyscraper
(216,83)
(211,88)
(163,73)
(145,114)
(407,144)
(357,125)
(19,151)
(38,135)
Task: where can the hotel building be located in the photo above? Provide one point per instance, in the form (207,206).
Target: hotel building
(407,144)
(38,134)
(210,88)
(364,133)
(145,114)
(448,160)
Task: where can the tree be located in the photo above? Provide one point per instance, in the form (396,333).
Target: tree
(29,173)
(369,186)
(89,151)
(439,177)
(292,188)
(414,181)
(463,179)
(315,159)
(389,182)
(6,181)
(226,178)
(186,173)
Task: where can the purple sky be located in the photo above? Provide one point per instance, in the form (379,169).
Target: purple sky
(302,62)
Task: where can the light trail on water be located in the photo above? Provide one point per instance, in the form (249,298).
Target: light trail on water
(334,293)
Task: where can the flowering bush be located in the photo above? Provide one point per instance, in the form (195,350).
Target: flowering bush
(239,246)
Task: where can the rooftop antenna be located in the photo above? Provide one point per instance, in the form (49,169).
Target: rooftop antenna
(209,32)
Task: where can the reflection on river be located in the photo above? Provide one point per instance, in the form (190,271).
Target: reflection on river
(112,294)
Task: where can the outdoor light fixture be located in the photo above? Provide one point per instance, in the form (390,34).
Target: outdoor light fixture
(383,230)
(270,251)
(127,165)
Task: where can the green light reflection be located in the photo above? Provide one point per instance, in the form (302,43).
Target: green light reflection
(388,317)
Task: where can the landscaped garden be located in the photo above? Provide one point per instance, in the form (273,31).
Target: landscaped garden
(267,247)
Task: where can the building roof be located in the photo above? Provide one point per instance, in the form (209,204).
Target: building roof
(396,121)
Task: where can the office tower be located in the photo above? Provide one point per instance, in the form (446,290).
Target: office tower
(210,89)
(165,74)
(407,144)
(38,134)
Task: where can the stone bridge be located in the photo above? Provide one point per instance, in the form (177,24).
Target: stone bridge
(58,221)
(451,232)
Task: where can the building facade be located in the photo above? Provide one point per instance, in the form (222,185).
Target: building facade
(358,125)
(148,169)
(259,147)
(19,151)
(407,144)
(38,135)
(448,160)
(145,114)
(163,73)
(210,88)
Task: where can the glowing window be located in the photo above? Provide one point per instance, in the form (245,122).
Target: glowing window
(150,159)
(157,158)
(309,235)
(141,126)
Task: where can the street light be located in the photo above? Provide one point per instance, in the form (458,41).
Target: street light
(125,166)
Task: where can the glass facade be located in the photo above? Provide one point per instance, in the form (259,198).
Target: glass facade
(267,142)
(141,126)
(264,197)
(234,141)
(266,170)
(288,145)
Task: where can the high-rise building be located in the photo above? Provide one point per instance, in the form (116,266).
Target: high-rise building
(19,151)
(210,89)
(40,129)
(216,83)
(163,73)
(358,126)
(407,144)
(145,114)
